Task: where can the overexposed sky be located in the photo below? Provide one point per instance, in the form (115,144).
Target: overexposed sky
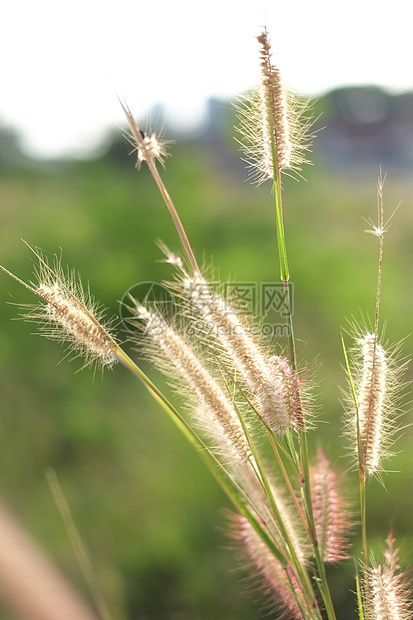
(64,60)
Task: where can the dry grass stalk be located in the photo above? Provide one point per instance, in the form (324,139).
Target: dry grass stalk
(30,584)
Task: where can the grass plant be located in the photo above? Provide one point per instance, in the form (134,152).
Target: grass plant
(245,401)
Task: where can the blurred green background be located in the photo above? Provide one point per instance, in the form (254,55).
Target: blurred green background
(151,516)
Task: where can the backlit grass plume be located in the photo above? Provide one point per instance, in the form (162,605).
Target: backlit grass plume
(210,403)
(68,313)
(373,408)
(274,127)
(241,399)
(371,399)
(387,589)
(148,148)
(333,519)
(277,581)
(375,374)
(268,381)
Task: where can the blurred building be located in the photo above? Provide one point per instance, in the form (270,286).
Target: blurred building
(364,128)
(358,130)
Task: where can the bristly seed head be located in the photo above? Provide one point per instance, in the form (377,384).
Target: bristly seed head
(75,324)
(266,380)
(277,581)
(287,375)
(274,97)
(371,396)
(69,314)
(331,513)
(386,588)
(273,126)
(214,412)
(376,376)
(151,147)
(269,383)
(148,147)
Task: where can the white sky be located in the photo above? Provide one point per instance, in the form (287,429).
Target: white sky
(62,61)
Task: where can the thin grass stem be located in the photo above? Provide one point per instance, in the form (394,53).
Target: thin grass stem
(282,249)
(174,214)
(305,473)
(288,483)
(361,465)
(359,594)
(234,492)
(78,545)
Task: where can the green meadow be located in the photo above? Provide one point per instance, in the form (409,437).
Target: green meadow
(150,515)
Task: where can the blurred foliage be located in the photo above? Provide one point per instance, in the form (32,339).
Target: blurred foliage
(149,513)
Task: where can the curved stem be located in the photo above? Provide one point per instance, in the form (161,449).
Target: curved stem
(174,214)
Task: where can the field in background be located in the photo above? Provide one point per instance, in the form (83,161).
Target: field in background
(149,513)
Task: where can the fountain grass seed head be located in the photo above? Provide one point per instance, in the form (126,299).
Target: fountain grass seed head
(69,313)
(274,125)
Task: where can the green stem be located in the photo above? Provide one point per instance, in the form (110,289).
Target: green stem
(359,597)
(302,571)
(158,396)
(233,491)
(306,491)
(362,484)
(174,215)
(360,455)
(282,248)
(305,470)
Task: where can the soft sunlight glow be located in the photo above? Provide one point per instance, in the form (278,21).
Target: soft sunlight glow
(65,60)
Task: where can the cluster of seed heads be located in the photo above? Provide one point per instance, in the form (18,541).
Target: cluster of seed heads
(235,389)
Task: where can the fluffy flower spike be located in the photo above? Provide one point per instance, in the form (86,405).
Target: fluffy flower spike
(372,391)
(148,148)
(278,582)
(376,376)
(273,125)
(70,314)
(331,513)
(213,411)
(387,591)
(272,383)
